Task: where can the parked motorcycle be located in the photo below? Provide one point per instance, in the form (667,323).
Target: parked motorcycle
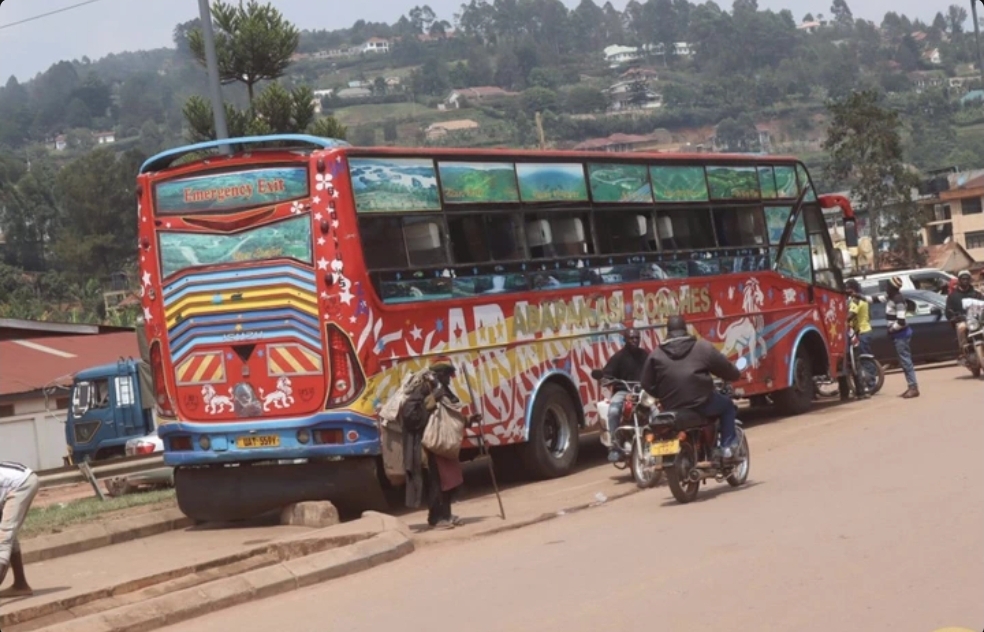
(685,442)
(630,434)
(973,350)
(870,369)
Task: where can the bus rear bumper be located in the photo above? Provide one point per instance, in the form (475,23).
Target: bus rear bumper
(327,435)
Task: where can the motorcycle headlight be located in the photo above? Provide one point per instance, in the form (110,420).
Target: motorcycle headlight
(973,324)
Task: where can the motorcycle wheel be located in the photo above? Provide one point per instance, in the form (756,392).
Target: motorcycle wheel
(873,374)
(683,489)
(827,389)
(645,477)
(741,472)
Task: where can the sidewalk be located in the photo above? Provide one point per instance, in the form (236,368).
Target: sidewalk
(70,577)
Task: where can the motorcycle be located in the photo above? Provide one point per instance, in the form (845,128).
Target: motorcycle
(870,369)
(973,350)
(685,441)
(630,435)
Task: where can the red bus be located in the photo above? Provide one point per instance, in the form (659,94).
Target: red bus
(289,285)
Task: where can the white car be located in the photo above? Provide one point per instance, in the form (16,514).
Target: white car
(147,444)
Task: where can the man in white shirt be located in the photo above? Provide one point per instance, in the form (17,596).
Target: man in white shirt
(18,487)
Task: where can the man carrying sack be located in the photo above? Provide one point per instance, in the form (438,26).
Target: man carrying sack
(18,487)
(433,430)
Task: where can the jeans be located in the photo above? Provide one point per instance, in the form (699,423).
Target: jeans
(615,412)
(864,343)
(905,359)
(724,408)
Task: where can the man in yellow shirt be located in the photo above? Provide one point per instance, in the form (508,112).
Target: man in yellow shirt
(859,316)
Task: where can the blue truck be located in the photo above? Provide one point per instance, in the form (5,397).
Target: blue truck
(110,404)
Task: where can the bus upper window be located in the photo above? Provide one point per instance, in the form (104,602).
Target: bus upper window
(486,237)
(549,235)
(740,226)
(685,229)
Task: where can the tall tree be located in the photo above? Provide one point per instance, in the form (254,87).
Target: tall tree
(842,14)
(253,43)
(956,15)
(865,147)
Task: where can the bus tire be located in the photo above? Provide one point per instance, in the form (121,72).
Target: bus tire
(553,445)
(798,398)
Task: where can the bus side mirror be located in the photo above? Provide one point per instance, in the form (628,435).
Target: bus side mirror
(851,233)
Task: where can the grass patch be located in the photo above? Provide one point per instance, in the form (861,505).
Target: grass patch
(55,518)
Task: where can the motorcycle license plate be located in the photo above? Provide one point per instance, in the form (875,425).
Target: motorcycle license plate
(665,448)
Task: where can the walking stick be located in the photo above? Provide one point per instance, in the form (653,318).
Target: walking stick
(483,449)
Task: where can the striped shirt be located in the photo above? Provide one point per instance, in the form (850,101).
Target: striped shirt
(895,315)
(12,476)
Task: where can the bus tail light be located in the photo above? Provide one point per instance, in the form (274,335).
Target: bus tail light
(160,388)
(347,379)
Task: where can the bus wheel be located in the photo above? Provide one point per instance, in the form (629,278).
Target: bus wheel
(553,446)
(798,398)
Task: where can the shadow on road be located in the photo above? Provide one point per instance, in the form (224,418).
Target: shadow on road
(709,492)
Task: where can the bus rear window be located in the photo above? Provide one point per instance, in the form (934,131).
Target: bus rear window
(231,191)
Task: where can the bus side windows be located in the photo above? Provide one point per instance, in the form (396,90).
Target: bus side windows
(425,242)
(382,242)
(685,229)
(740,227)
(487,237)
(558,236)
(625,232)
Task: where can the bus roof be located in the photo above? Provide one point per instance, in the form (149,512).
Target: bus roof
(166,159)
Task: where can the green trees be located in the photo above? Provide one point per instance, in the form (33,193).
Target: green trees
(865,146)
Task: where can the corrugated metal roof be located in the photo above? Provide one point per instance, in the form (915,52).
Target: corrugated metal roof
(30,365)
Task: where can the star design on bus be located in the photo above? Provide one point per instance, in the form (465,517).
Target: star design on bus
(416,332)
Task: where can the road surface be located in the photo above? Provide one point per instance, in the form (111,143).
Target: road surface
(872,520)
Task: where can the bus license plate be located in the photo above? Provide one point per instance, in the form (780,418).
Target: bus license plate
(665,448)
(262,441)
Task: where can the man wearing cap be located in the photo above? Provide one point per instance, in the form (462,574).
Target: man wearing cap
(626,364)
(443,476)
(679,373)
(18,487)
(955,311)
(901,334)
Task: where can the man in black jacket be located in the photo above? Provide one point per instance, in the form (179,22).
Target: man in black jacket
(680,374)
(626,365)
(955,311)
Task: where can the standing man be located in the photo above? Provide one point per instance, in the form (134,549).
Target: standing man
(901,334)
(18,487)
(626,365)
(955,311)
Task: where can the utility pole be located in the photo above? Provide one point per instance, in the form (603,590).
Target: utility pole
(977,38)
(539,131)
(218,108)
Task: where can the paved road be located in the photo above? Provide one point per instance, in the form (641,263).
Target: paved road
(871,519)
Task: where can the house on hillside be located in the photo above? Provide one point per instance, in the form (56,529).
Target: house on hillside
(957,214)
(436,131)
(33,398)
(375,45)
(633,95)
(812,26)
(354,93)
(478,93)
(623,143)
(61,142)
(926,79)
(617,55)
(932,55)
(974,97)
(104,138)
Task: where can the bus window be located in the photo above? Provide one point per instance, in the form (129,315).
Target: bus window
(487,237)
(821,249)
(549,235)
(737,227)
(624,232)
(685,229)
(425,241)
(382,242)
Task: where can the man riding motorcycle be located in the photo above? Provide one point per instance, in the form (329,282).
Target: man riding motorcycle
(626,365)
(679,373)
(955,312)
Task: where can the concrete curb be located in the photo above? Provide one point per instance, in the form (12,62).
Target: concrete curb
(95,536)
(392,543)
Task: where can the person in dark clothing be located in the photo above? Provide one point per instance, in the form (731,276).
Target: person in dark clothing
(955,311)
(679,373)
(443,476)
(626,364)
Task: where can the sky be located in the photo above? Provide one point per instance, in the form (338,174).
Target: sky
(112,26)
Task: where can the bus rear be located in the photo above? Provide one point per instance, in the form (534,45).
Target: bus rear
(248,369)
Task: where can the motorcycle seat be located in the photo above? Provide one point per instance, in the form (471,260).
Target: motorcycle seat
(683,419)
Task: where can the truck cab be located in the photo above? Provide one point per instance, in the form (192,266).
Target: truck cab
(108,408)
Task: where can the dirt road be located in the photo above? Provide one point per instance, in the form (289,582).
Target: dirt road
(868,518)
